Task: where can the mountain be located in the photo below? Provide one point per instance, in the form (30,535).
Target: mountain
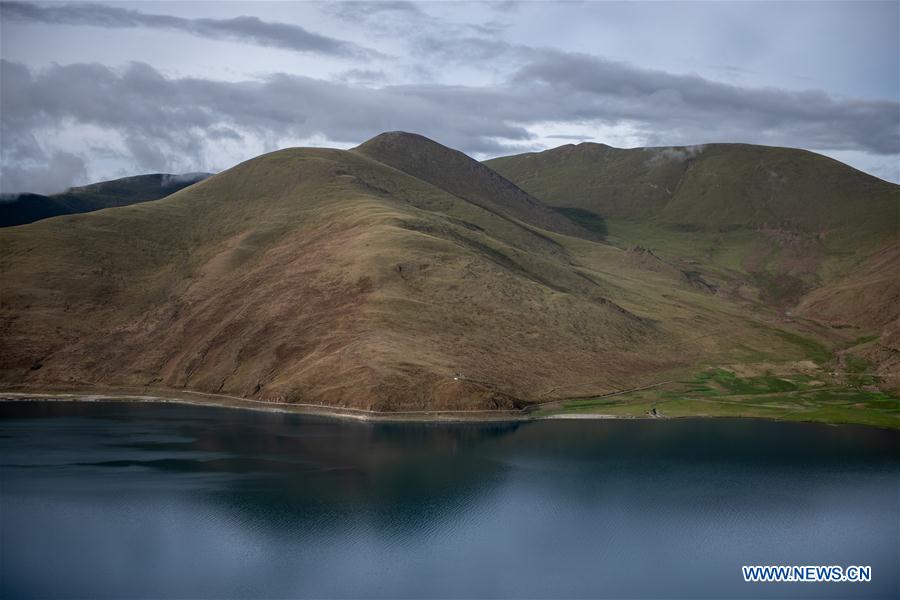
(400,275)
(20,209)
(456,173)
(715,187)
(783,221)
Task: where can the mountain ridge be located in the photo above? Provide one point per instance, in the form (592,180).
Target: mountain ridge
(20,209)
(199,258)
(330,277)
(430,161)
(788,220)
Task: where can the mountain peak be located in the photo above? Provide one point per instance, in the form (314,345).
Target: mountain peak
(397,135)
(395,141)
(464,177)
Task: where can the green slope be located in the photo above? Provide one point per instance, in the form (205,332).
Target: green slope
(716,187)
(782,221)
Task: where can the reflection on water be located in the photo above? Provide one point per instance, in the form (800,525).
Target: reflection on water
(125,500)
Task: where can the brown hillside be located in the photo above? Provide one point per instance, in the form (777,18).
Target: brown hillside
(460,175)
(329,277)
(286,278)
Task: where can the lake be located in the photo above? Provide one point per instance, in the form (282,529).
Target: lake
(161,500)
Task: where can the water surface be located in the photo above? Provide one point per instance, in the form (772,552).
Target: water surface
(142,500)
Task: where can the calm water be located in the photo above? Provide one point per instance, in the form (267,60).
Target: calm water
(123,500)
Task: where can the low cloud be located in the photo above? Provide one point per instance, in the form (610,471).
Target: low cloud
(168,179)
(673,154)
(56,173)
(250,30)
(155,119)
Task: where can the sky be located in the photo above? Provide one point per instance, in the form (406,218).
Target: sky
(94,91)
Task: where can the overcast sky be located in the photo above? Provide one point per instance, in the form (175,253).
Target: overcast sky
(102,90)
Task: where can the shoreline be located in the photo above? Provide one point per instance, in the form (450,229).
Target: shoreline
(194,398)
(77,393)
(234,402)
(358,414)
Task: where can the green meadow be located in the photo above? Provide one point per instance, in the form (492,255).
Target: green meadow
(719,392)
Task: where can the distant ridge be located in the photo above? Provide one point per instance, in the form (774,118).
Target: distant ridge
(19,209)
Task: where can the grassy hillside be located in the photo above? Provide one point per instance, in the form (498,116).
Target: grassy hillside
(775,223)
(27,208)
(330,277)
(713,188)
(457,174)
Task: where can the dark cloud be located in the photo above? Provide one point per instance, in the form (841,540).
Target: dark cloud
(166,124)
(155,117)
(410,21)
(245,29)
(684,106)
(49,174)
